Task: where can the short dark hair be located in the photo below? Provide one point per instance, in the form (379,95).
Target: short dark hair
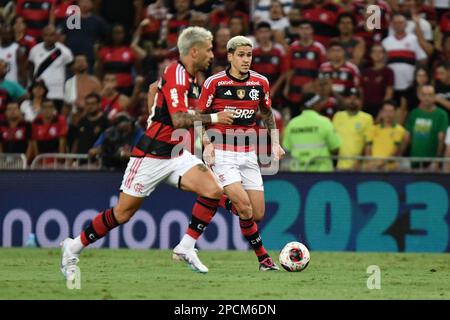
(390,102)
(305,21)
(347,15)
(336,43)
(263,25)
(93,95)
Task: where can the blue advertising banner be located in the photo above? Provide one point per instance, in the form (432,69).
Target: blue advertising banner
(327,212)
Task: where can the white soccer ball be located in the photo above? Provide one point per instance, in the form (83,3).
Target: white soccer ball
(294,257)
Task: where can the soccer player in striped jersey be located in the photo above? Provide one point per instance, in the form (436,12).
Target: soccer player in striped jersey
(230,149)
(158,156)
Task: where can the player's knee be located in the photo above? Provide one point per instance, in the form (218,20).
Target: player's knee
(244,209)
(214,192)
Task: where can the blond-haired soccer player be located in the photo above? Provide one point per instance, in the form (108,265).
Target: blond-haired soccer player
(154,159)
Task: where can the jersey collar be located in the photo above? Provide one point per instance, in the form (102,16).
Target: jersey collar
(236,79)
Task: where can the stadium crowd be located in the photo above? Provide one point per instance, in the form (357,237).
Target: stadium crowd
(386,92)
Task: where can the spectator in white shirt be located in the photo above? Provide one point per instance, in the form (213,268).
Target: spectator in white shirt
(49,60)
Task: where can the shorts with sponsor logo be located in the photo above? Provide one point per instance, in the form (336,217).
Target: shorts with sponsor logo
(144,174)
(232,166)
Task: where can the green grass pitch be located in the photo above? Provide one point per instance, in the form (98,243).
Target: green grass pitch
(151,274)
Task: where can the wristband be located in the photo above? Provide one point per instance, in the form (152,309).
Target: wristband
(214,118)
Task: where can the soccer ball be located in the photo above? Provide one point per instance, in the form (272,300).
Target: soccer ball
(294,257)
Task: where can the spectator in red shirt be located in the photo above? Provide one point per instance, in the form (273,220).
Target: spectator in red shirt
(220,49)
(15,132)
(304,59)
(377,82)
(177,22)
(36,14)
(323,15)
(221,16)
(118,58)
(113,101)
(344,75)
(49,130)
(360,11)
(237,26)
(25,41)
(269,59)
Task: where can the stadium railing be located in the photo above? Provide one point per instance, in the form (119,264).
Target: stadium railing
(13,161)
(65,161)
(390,164)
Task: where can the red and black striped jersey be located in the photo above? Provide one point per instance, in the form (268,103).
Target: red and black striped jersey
(27,43)
(271,64)
(371,36)
(174,28)
(15,139)
(324,20)
(222,92)
(119,61)
(304,61)
(36,14)
(177,92)
(344,77)
(47,134)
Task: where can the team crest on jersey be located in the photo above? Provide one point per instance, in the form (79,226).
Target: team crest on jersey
(343,76)
(254,94)
(19,134)
(240,93)
(275,60)
(310,55)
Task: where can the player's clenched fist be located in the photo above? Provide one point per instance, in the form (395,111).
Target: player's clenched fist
(225,117)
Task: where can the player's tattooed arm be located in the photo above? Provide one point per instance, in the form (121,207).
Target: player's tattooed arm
(187,119)
(268,118)
(269,123)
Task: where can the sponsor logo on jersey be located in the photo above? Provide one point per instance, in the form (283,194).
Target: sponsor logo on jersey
(174,97)
(210,100)
(253,83)
(243,113)
(228,93)
(225,83)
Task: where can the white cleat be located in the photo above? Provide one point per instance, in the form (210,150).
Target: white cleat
(191,257)
(69,260)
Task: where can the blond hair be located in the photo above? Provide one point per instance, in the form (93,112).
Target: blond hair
(238,41)
(191,37)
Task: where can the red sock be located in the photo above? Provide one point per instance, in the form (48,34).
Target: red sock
(202,213)
(250,231)
(226,203)
(99,227)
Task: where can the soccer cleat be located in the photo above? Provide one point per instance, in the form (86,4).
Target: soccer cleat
(268,265)
(190,256)
(69,260)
